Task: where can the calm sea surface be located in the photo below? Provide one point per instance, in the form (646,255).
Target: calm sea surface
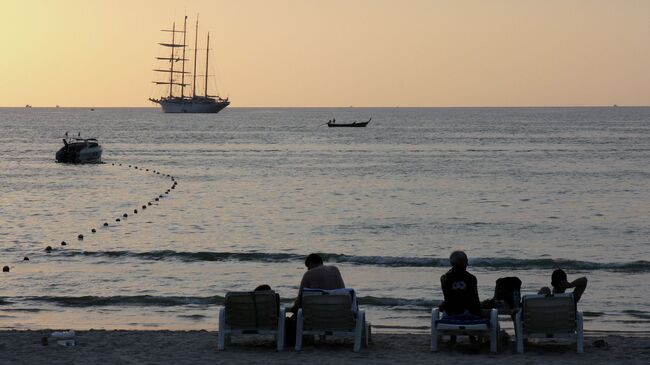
(522,190)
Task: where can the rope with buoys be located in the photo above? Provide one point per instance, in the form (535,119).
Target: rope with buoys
(80,237)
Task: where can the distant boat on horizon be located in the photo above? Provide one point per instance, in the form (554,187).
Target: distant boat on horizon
(332,124)
(177,101)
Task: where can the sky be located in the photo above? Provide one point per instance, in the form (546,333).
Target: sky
(308,53)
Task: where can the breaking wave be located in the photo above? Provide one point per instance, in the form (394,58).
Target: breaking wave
(496,263)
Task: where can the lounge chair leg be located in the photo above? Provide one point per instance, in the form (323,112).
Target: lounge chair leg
(519,333)
(434,330)
(580,333)
(494,330)
(299,322)
(279,337)
(222,330)
(358,329)
(367,334)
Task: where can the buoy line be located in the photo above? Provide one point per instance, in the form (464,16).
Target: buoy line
(48,249)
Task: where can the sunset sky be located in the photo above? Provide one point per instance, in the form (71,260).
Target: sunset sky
(335,52)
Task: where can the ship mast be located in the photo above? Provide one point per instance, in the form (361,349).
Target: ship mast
(183,62)
(196,42)
(207,56)
(171,62)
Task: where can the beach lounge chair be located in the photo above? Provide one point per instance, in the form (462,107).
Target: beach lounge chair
(257,312)
(460,326)
(331,313)
(549,316)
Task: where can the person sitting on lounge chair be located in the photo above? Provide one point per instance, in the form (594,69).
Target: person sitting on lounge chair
(459,288)
(318,276)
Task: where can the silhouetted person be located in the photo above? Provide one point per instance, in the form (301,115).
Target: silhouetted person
(318,276)
(263,287)
(459,288)
(560,284)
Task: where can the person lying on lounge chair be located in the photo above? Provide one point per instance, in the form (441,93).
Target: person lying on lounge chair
(560,284)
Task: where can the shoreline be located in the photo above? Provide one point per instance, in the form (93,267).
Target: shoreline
(200,347)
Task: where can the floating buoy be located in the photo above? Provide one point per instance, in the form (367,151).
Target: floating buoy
(25,258)
(80,236)
(5,269)
(48,249)
(149,203)
(93,230)
(147,169)
(117,220)
(136,167)
(112,164)
(158,173)
(160,196)
(105,224)
(144,207)
(157,199)
(125,215)
(135,211)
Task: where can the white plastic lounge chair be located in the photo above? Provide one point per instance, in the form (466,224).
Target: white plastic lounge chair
(451,326)
(331,313)
(256,312)
(543,316)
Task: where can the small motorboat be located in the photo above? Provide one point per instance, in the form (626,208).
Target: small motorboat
(332,123)
(79,150)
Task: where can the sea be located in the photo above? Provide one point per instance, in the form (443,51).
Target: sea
(522,191)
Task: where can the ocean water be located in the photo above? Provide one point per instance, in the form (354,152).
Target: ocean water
(522,190)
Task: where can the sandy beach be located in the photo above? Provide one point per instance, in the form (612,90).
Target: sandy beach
(199,347)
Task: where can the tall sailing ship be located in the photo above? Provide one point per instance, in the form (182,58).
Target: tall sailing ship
(178,101)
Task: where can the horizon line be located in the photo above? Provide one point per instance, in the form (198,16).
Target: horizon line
(342,107)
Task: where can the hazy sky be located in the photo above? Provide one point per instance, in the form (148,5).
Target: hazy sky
(335,52)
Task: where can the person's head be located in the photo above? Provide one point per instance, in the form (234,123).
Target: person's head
(458,260)
(263,287)
(557,277)
(313,260)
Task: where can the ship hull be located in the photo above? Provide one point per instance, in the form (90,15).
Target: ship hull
(188,106)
